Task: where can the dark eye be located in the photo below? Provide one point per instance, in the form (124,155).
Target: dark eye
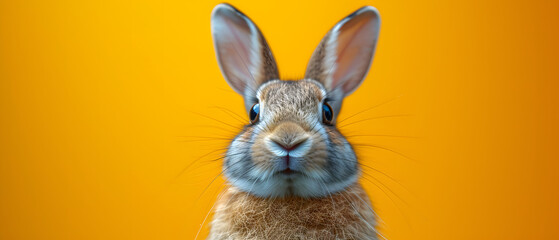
(254,113)
(327,114)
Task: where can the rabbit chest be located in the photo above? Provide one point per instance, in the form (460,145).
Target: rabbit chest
(343,215)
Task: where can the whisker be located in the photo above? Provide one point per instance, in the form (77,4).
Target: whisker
(361,216)
(205,139)
(213,180)
(384,148)
(212,160)
(376,170)
(196,160)
(371,108)
(363,201)
(387,188)
(323,185)
(400,210)
(379,135)
(206,217)
(373,118)
(232,114)
(217,127)
(386,175)
(208,117)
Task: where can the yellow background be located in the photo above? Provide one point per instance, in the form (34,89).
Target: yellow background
(102,105)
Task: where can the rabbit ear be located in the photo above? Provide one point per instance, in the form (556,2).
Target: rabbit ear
(242,52)
(343,57)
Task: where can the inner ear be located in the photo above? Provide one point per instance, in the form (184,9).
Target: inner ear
(243,54)
(343,57)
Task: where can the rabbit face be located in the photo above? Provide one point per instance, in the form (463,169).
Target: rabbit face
(291,147)
(290,150)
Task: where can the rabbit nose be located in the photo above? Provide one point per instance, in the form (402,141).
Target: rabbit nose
(289,139)
(290,146)
(297,148)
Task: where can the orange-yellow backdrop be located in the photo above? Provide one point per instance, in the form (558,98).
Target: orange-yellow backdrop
(102,106)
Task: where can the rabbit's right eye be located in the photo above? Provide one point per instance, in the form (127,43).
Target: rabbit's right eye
(254,113)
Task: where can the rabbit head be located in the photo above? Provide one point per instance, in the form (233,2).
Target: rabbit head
(290,146)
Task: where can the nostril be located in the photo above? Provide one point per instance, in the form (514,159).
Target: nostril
(296,145)
(280,144)
(290,146)
(285,147)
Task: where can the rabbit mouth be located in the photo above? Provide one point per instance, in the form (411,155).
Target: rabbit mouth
(289,172)
(289,166)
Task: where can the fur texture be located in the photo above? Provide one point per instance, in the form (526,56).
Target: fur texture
(345,215)
(292,174)
(290,114)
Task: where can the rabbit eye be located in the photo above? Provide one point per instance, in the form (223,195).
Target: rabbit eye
(327,114)
(254,113)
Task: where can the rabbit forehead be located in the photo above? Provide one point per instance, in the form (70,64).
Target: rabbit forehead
(294,101)
(300,94)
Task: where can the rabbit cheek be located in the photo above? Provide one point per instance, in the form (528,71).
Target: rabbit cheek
(335,137)
(260,154)
(317,158)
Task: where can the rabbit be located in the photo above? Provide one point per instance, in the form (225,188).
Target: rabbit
(291,173)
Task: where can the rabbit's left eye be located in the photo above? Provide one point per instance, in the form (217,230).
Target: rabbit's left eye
(327,114)
(254,113)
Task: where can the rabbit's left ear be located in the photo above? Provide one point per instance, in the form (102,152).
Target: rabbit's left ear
(343,57)
(242,52)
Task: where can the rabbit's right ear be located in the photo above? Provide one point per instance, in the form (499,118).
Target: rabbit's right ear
(243,55)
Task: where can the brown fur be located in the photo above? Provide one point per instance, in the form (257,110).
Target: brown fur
(318,197)
(344,215)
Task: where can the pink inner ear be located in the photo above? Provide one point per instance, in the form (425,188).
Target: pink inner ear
(233,39)
(356,40)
